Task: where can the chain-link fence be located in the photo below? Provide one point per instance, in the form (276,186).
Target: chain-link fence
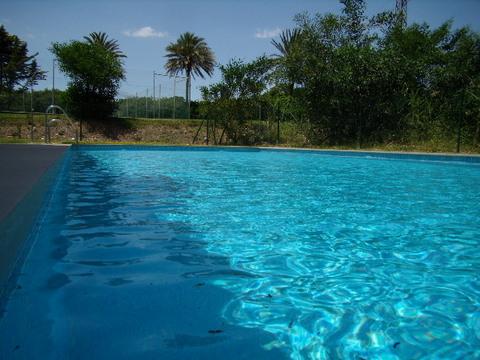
(30,100)
(166,100)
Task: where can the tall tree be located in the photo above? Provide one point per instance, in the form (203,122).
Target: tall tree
(101,39)
(237,96)
(190,55)
(95,74)
(18,69)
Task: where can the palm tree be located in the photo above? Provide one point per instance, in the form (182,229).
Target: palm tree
(286,48)
(101,39)
(191,55)
(288,38)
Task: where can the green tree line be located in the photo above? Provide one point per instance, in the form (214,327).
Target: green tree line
(352,80)
(36,100)
(19,70)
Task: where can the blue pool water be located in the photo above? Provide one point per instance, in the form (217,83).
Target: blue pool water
(164,253)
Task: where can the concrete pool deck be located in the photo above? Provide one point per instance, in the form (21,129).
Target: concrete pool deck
(21,166)
(23,185)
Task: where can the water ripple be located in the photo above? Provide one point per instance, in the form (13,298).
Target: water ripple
(335,257)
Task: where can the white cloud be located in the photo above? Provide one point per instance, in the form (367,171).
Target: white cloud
(145,32)
(267,33)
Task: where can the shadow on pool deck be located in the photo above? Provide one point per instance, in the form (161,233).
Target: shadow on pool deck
(25,177)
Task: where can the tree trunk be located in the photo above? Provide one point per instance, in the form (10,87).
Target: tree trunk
(208,125)
(188,91)
(215,131)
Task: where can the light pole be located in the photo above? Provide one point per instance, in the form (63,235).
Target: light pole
(31,99)
(159,92)
(160,101)
(146,105)
(53,81)
(174,87)
(175,77)
(154,94)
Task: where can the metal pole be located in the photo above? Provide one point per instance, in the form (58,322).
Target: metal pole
(154,94)
(53,82)
(146,105)
(136,105)
(31,100)
(160,101)
(174,88)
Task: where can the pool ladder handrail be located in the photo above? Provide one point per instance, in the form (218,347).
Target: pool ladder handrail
(47,122)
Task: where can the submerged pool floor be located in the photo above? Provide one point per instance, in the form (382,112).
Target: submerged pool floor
(197,254)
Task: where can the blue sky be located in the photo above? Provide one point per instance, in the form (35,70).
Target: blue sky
(232,28)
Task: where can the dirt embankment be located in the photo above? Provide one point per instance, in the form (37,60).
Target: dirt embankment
(116,130)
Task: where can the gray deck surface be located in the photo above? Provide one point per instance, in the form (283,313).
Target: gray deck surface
(21,166)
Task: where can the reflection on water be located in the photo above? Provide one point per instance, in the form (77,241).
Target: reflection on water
(346,257)
(111,275)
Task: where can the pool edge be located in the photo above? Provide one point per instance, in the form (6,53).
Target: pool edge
(401,155)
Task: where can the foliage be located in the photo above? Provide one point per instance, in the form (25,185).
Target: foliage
(234,100)
(101,38)
(349,80)
(18,69)
(287,59)
(95,73)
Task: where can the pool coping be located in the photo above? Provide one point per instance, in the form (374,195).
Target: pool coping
(372,151)
(266,148)
(420,156)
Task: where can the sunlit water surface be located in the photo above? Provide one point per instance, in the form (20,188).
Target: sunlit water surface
(317,256)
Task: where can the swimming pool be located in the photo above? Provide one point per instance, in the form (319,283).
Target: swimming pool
(194,253)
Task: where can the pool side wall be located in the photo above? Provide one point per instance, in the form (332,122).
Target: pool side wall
(17,229)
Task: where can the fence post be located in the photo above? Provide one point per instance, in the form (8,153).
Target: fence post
(174,89)
(146,105)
